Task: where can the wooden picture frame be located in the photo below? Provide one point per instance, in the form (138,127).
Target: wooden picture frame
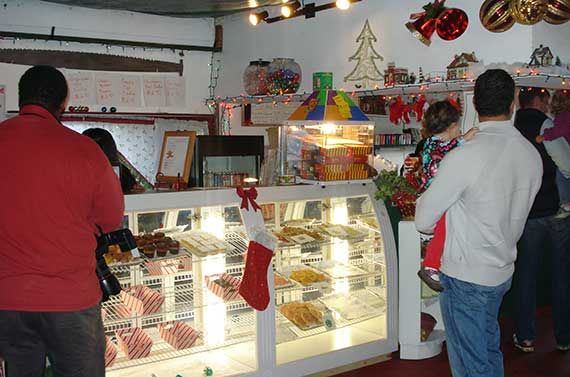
(176,156)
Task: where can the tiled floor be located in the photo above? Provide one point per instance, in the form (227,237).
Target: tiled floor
(546,361)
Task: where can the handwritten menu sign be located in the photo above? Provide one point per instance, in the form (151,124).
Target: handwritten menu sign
(175,156)
(154,92)
(269,114)
(107,89)
(81,90)
(130,90)
(175,91)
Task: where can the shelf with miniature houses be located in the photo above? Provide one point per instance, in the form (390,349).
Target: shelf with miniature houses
(522,74)
(200,324)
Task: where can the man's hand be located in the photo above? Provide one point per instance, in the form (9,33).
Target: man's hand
(539,139)
(471,133)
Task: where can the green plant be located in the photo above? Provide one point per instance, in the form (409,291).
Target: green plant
(389,183)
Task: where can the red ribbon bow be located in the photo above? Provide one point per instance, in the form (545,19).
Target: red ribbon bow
(431,10)
(248,195)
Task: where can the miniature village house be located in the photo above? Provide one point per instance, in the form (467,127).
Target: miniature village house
(393,75)
(541,56)
(459,67)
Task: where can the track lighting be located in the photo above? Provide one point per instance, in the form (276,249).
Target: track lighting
(256,18)
(289,8)
(343,4)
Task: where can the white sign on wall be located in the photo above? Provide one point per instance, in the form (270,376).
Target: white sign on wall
(153,91)
(175,90)
(81,88)
(107,89)
(130,87)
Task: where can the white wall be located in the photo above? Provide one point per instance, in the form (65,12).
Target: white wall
(39,17)
(554,36)
(326,42)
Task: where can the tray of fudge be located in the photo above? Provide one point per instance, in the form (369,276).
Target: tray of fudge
(305,275)
(202,244)
(304,315)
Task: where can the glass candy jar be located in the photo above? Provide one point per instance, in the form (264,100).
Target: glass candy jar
(284,76)
(255,78)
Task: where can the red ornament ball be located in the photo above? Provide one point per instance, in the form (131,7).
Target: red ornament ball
(495,16)
(451,24)
(558,12)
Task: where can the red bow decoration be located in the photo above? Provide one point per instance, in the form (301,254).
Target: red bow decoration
(431,10)
(248,195)
(419,107)
(455,104)
(399,111)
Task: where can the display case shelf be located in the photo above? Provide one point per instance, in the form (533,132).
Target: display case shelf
(241,331)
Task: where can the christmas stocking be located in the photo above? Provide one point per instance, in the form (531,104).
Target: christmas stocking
(253,287)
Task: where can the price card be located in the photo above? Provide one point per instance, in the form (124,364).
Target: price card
(135,252)
(336,231)
(302,238)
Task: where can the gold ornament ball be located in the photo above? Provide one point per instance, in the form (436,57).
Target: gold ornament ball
(495,16)
(558,12)
(528,12)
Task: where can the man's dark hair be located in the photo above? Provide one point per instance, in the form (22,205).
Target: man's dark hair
(529,93)
(439,116)
(44,86)
(494,93)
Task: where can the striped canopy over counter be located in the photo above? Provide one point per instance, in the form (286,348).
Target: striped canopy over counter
(328,106)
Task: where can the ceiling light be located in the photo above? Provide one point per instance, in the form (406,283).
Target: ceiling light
(343,4)
(256,18)
(288,9)
(252,3)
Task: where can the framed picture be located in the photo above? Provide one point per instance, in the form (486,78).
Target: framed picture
(176,156)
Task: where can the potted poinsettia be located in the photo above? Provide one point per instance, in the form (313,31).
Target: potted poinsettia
(399,191)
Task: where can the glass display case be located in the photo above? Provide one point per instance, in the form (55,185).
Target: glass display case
(226,161)
(332,284)
(327,152)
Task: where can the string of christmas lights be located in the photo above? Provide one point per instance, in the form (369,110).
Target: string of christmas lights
(533,78)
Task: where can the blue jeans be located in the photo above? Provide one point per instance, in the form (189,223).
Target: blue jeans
(472,331)
(539,237)
(563,184)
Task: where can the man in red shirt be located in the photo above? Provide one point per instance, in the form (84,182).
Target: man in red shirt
(58,187)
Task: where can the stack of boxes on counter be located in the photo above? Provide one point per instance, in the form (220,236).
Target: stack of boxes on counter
(334,162)
(224,179)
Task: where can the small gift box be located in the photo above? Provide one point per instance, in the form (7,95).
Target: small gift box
(224,286)
(110,352)
(134,342)
(142,300)
(178,334)
(169,266)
